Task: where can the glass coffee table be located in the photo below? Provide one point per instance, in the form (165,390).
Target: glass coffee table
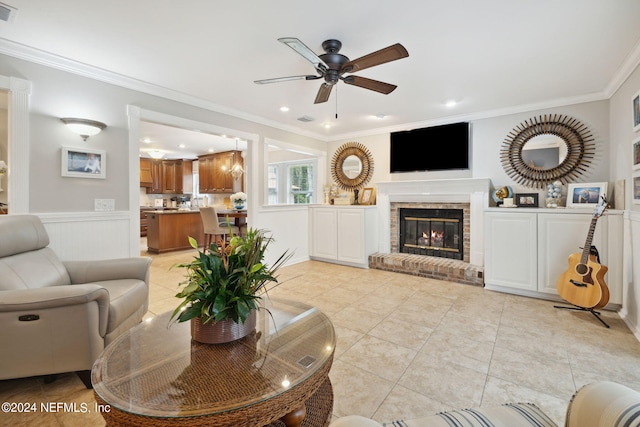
(155,375)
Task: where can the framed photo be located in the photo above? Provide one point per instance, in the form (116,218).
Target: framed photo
(84,163)
(636,188)
(585,194)
(526,200)
(636,112)
(368,196)
(635,155)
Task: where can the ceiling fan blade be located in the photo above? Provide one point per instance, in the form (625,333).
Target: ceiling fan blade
(305,52)
(370,84)
(286,79)
(382,56)
(323,93)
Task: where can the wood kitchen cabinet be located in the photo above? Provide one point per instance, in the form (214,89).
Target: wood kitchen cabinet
(166,176)
(215,173)
(145,173)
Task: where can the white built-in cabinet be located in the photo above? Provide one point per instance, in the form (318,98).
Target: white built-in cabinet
(343,234)
(526,250)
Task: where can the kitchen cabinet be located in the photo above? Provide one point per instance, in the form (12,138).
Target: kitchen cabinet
(343,234)
(215,172)
(166,176)
(526,250)
(169,230)
(145,172)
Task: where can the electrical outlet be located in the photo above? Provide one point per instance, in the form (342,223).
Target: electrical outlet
(104,205)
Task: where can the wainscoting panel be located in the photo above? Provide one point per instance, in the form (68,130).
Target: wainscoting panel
(88,235)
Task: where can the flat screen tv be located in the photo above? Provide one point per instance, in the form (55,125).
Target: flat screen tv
(435,148)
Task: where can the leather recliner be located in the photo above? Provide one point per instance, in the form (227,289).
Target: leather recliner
(57,316)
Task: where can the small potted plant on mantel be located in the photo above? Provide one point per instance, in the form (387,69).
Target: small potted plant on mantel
(224,286)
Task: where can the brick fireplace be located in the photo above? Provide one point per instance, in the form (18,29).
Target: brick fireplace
(471,196)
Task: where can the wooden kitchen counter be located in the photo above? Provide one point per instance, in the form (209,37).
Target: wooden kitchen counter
(170,230)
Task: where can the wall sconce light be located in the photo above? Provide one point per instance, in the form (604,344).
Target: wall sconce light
(236,169)
(83,127)
(3,171)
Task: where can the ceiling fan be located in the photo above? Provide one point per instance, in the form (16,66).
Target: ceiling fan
(331,66)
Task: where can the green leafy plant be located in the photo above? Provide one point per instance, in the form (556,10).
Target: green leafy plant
(228,281)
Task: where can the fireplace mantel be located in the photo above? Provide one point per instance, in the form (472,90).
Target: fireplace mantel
(474,191)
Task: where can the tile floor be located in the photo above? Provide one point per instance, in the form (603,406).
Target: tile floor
(409,346)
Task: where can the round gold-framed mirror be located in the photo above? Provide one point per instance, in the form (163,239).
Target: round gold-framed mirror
(547,148)
(352,166)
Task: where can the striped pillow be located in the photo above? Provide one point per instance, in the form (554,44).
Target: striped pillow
(604,403)
(508,415)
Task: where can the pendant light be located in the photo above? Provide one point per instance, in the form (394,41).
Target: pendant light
(236,169)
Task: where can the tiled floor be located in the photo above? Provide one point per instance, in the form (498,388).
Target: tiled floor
(410,346)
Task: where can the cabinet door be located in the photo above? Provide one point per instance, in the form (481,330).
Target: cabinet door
(205,172)
(156,177)
(145,173)
(169,177)
(560,236)
(351,235)
(511,250)
(324,225)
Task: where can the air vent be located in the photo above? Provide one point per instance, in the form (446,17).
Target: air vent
(306,119)
(7,13)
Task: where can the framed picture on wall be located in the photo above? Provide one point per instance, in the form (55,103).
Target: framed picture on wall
(84,163)
(635,154)
(584,195)
(636,112)
(636,188)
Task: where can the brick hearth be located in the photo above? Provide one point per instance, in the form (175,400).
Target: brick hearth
(426,266)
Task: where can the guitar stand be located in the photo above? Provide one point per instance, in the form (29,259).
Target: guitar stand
(591,310)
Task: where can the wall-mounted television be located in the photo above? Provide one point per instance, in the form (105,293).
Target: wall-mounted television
(436,148)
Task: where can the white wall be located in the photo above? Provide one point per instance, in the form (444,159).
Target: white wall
(487,138)
(622,135)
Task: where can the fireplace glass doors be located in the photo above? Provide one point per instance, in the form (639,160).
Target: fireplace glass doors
(432,232)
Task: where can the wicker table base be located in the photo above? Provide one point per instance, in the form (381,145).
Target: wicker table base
(319,408)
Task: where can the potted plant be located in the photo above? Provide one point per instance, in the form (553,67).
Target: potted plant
(224,286)
(239,200)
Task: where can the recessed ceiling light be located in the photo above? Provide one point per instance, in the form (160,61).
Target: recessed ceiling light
(146,141)
(327,125)
(181,145)
(284,109)
(211,150)
(451,103)
(380,116)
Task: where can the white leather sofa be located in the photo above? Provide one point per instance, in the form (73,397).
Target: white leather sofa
(58,316)
(599,404)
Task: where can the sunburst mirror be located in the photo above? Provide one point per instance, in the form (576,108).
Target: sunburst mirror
(352,167)
(547,148)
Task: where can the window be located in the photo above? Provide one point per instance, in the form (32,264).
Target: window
(291,182)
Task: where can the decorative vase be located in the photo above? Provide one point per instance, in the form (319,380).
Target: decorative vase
(223,331)
(239,205)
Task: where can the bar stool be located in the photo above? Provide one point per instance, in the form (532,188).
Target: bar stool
(213,229)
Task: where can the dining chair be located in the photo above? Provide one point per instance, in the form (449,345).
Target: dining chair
(215,229)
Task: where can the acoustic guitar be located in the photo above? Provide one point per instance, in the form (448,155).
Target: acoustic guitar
(583,283)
